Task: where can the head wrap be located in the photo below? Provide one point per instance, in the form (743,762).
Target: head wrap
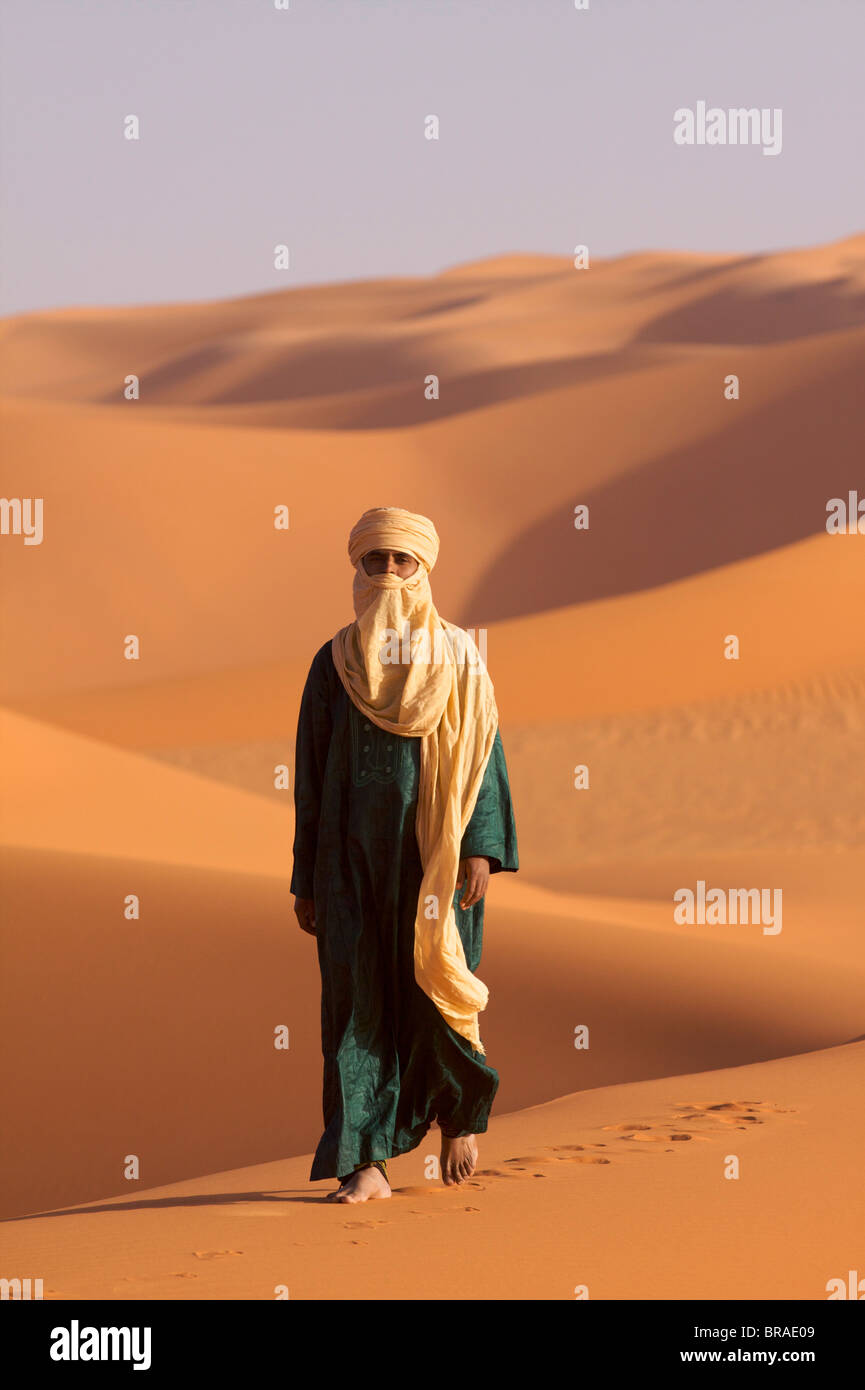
(416,675)
(393,528)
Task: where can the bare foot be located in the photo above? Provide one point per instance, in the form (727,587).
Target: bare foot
(458,1159)
(362,1186)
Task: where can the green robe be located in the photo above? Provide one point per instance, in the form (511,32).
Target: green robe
(392,1064)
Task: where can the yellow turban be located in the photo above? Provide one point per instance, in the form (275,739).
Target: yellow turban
(416,675)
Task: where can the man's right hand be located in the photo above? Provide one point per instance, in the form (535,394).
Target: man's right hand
(304,910)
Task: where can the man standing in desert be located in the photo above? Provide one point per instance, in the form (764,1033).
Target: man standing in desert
(403,810)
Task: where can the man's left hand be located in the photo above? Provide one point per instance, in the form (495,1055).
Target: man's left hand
(476,873)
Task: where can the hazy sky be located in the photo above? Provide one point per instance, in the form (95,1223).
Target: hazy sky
(306,127)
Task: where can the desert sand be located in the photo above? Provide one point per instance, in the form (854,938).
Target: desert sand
(570,1200)
(169,777)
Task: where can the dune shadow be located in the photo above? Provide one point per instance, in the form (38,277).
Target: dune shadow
(760,484)
(211,1199)
(430,311)
(657,278)
(372,388)
(733,315)
(469,391)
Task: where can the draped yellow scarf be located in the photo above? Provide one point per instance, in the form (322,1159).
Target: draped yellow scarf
(416,675)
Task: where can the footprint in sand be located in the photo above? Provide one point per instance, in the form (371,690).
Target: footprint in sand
(571,1157)
(700,1122)
(363,1225)
(737,1114)
(527,1164)
(685,1124)
(645,1134)
(214,1254)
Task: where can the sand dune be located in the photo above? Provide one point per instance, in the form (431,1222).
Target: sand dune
(791,611)
(155,777)
(86,797)
(619,1193)
(551,396)
(212,352)
(182,1003)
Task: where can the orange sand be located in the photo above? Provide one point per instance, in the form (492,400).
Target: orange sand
(161,777)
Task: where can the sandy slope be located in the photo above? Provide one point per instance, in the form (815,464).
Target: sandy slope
(155,778)
(171,1017)
(619,1193)
(179,512)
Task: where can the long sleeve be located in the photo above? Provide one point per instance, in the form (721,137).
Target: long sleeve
(310,759)
(492,830)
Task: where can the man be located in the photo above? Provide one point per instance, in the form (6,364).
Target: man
(403,810)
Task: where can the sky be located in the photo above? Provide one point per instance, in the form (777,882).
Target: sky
(262,126)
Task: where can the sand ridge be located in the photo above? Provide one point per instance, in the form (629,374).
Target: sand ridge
(168,780)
